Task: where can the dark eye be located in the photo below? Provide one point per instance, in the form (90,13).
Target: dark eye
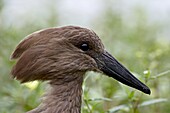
(84,47)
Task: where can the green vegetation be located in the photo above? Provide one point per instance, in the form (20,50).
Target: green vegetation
(138,47)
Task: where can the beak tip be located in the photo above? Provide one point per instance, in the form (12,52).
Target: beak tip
(147,91)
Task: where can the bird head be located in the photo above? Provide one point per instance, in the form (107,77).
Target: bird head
(58,54)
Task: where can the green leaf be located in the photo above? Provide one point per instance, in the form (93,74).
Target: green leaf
(100,99)
(154,101)
(143,104)
(161,74)
(131,94)
(117,108)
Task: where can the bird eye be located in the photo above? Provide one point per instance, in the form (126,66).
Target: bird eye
(84,47)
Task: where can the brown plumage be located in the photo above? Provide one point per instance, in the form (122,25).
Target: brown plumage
(62,56)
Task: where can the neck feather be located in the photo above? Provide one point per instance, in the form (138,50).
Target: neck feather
(62,98)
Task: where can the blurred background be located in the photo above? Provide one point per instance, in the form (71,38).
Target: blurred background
(136,32)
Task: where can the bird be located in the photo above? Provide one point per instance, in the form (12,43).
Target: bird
(62,56)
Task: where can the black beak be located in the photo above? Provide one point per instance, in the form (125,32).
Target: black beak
(111,67)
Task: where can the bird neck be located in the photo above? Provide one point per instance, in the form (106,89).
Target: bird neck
(62,98)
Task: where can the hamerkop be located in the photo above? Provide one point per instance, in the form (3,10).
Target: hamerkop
(62,56)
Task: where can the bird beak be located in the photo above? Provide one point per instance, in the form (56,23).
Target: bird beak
(111,67)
